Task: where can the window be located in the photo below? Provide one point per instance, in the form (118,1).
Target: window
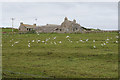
(56,29)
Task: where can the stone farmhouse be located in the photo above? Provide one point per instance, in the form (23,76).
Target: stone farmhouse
(67,26)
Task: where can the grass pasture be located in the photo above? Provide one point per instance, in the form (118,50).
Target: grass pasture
(54,55)
(8,30)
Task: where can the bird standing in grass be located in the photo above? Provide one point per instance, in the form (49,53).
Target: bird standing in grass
(60,42)
(104,44)
(67,36)
(43,41)
(116,41)
(33,40)
(12,45)
(28,45)
(87,39)
(94,46)
(101,44)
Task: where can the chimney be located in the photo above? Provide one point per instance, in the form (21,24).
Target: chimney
(34,24)
(66,18)
(74,21)
(21,23)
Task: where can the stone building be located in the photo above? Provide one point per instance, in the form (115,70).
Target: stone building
(70,26)
(66,27)
(48,28)
(26,27)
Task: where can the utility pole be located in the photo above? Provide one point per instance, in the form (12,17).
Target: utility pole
(12,23)
(36,20)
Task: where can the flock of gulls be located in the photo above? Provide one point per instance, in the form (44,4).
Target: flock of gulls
(68,38)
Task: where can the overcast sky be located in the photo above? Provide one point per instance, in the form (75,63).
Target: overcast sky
(102,15)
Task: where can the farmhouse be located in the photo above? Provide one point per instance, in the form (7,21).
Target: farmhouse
(26,27)
(70,26)
(66,26)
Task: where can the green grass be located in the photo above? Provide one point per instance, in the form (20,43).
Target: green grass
(65,60)
(9,30)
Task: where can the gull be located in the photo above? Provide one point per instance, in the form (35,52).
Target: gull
(47,39)
(16,42)
(12,45)
(107,39)
(28,45)
(101,44)
(54,37)
(81,40)
(43,41)
(94,46)
(67,36)
(38,40)
(76,41)
(93,40)
(60,42)
(116,41)
(33,40)
(87,39)
(117,36)
(70,41)
(104,44)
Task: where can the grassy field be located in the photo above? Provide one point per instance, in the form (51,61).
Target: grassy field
(88,55)
(8,30)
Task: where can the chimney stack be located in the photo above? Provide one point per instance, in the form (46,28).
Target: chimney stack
(21,23)
(34,24)
(66,18)
(74,21)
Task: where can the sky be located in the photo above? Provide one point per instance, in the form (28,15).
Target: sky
(101,15)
